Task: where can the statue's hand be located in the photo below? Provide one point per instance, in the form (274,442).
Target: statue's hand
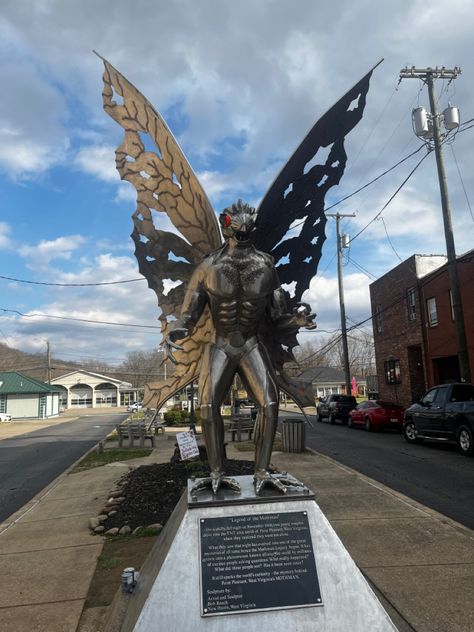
(304,317)
(169,344)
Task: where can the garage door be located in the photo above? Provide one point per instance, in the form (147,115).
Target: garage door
(19,406)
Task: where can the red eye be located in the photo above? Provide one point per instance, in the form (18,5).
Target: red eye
(227,221)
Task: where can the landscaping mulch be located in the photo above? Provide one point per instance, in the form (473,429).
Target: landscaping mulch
(151,492)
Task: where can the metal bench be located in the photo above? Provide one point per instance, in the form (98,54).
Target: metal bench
(132,430)
(153,423)
(240,424)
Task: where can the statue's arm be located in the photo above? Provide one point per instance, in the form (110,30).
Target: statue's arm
(193,306)
(284,321)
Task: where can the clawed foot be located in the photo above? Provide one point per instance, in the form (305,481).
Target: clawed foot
(215,481)
(281,482)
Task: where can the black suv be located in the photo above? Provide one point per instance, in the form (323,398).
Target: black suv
(334,407)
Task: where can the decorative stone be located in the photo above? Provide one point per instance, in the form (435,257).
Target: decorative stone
(115,501)
(156,527)
(99,529)
(125,530)
(93,523)
(136,530)
(102,517)
(112,531)
(112,512)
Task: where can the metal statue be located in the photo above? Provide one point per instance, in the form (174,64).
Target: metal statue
(240,285)
(225,301)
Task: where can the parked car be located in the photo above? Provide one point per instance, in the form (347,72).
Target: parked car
(5,417)
(133,408)
(334,407)
(444,413)
(374,414)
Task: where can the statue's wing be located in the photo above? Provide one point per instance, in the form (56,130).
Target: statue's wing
(291,218)
(167,189)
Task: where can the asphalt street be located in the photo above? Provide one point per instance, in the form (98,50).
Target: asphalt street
(30,461)
(434,474)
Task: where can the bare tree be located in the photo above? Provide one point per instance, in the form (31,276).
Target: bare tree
(141,367)
(361,352)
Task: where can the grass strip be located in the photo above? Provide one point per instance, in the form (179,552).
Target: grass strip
(97,459)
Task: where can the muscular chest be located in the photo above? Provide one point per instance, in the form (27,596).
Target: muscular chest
(240,277)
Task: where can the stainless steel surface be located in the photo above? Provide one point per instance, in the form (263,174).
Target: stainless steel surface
(240,286)
(173,602)
(229,309)
(247,494)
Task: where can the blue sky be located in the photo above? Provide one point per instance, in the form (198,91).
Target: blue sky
(239,86)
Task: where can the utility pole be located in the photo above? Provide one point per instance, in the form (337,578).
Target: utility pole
(345,348)
(48,360)
(428,75)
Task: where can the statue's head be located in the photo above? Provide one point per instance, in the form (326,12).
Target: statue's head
(237,222)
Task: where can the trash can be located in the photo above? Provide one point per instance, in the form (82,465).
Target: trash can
(293,434)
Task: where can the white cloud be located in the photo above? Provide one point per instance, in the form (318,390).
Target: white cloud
(240,85)
(32,137)
(125,303)
(45,251)
(5,240)
(99,161)
(126,193)
(323,295)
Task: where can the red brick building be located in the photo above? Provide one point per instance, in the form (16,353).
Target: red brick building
(414,338)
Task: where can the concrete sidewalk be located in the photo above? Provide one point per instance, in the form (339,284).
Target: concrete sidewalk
(420,563)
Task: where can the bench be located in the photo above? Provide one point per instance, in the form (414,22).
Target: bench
(152,421)
(132,430)
(240,424)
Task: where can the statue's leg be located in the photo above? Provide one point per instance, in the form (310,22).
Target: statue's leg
(216,375)
(256,373)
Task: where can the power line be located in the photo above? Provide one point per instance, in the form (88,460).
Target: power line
(389,240)
(381,175)
(361,268)
(402,118)
(81,320)
(71,284)
(398,189)
(462,182)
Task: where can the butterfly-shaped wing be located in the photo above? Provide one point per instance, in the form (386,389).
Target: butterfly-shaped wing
(167,188)
(291,219)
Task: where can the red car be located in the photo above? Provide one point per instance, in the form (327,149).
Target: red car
(374,414)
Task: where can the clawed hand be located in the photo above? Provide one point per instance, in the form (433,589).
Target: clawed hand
(169,345)
(304,316)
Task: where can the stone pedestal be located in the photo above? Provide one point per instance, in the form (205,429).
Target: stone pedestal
(169,594)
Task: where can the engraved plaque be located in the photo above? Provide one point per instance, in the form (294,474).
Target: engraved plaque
(257,562)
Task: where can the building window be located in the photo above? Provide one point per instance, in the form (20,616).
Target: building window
(411,303)
(392,371)
(432,312)
(378,319)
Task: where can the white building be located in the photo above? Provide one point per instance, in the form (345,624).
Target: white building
(84,389)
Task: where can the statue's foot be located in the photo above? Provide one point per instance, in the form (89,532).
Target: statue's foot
(281,482)
(215,481)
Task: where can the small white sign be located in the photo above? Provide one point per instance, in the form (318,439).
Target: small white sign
(188,447)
